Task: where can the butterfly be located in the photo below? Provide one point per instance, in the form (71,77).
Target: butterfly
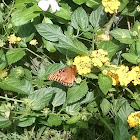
(65,76)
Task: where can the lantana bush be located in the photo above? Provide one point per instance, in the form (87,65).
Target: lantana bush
(70,69)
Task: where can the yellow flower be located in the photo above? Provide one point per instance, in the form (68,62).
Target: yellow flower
(110,5)
(83,64)
(134,138)
(18,39)
(33,42)
(134,119)
(138,27)
(12,39)
(99,57)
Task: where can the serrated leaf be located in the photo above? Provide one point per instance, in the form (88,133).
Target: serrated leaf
(73,109)
(4,122)
(105,83)
(14,55)
(49,31)
(105,106)
(2,60)
(41,98)
(123,35)
(26,121)
(93,3)
(98,17)
(124,111)
(59,98)
(79,19)
(22,17)
(76,92)
(132,58)
(16,85)
(109,46)
(120,131)
(64,11)
(54,120)
(72,45)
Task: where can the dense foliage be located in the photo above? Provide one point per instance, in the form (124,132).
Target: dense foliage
(100,38)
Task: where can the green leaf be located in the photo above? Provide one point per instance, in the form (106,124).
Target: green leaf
(64,11)
(1,17)
(18,3)
(73,119)
(4,122)
(132,58)
(49,45)
(16,85)
(73,109)
(120,131)
(136,104)
(98,17)
(79,2)
(89,98)
(76,92)
(54,120)
(82,124)
(138,48)
(41,98)
(26,121)
(14,55)
(22,17)
(123,4)
(93,3)
(53,67)
(49,31)
(105,106)
(123,35)
(72,45)
(79,19)
(105,83)
(124,111)
(59,98)
(2,60)
(109,46)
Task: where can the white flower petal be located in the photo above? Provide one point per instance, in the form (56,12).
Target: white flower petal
(54,6)
(44,4)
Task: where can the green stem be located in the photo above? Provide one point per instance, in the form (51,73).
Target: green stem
(106,124)
(109,24)
(129,91)
(6,98)
(34,53)
(84,39)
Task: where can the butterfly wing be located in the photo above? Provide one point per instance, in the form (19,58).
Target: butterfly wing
(65,76)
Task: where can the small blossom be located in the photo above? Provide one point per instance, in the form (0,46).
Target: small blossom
(83,64)
(138,8)
(110,6)
(104,37)
(123,36)
(138,27)
(18,39)
(134,138)
(44,5)
(12,39)
(2,43)
(33,42)
(134,119)
(99,57)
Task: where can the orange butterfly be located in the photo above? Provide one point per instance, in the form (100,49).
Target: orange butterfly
(65,76)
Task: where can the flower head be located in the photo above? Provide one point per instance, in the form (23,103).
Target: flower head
(83,64)
(33,42)
(134,119)
(12,39)
(134,138)
(110,5)
(99,57)
(44,5)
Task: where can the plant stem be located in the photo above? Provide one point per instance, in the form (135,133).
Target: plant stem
(6,98)
(106,124)
(34,53)
(129,91)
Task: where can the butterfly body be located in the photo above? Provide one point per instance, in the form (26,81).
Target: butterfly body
(65,76)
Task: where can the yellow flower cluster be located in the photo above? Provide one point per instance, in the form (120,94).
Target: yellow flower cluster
(33,42)
(13,39)
(83,64)
(134,138)
(123,76)
(110,5)
(99,57)
(134,119)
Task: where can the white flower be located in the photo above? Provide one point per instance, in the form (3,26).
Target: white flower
(44,5)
